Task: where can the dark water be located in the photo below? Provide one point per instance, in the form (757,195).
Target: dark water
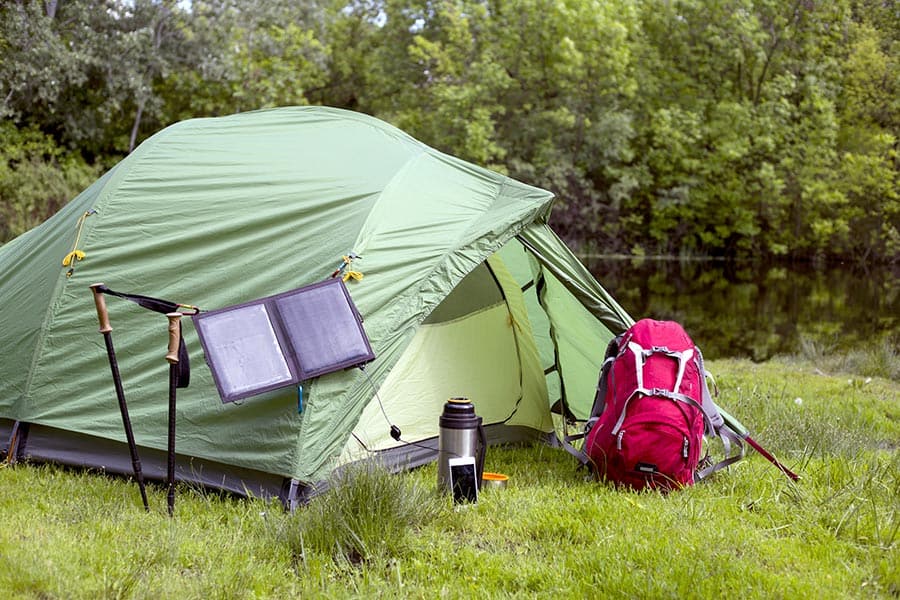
(758,310)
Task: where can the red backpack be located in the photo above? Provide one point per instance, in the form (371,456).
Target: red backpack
(650,432)
(652,411)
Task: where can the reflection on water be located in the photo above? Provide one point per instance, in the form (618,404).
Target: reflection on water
(757,310)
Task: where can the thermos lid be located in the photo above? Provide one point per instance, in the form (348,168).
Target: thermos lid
(459,413)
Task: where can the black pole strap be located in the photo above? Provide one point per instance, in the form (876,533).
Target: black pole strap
(162,306)
(150,303)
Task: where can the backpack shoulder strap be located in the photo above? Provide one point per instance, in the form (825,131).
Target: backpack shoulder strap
(579,454)
(714,418)
(612,350)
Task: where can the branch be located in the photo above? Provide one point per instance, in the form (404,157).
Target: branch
(134,128)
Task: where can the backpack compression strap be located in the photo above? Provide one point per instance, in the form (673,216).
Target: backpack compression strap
(709,407)
(164,307)
(728,437)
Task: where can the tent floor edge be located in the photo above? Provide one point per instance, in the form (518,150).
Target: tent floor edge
(77,450)
(50,445)
(422,452)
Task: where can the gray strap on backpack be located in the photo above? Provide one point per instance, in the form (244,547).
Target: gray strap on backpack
(709,408)
(728,437)
(716,427)
(612,350)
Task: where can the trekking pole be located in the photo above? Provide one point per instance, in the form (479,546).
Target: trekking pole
(172,358)
(738,428)
(106,330)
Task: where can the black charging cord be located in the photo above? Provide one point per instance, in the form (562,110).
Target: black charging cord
(395,431)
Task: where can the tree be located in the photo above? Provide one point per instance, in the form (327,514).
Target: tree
(84,73)
(567,122)
(869,143)
(723,127)
(37,177)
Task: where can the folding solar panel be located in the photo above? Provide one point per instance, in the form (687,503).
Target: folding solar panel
(282,340)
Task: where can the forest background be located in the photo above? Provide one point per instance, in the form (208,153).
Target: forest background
(736,128)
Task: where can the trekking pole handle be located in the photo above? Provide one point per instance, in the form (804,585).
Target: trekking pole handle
(174,336)
(100,304)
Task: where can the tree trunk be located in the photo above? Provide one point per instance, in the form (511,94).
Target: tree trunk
(136,126)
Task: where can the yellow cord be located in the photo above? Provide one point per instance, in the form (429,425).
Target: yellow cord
(75,255)
(349,274)
(72,256)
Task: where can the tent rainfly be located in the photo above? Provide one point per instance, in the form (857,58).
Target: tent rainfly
(466,291)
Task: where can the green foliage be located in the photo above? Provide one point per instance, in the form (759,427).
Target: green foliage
(86,74)
(257,54)
(690,127)
(446,81)
(366,512)
(567,125)
(36,179)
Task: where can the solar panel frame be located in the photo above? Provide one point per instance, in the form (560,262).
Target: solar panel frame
(303,321)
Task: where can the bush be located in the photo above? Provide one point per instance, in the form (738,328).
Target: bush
(36,179)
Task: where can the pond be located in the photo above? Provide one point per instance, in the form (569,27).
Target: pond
(757,310)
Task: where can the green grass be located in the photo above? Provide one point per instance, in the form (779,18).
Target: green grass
(878,357)
(749,532)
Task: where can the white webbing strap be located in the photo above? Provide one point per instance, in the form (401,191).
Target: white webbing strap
(641,354)
(638,353)
(683,358)
(640,358)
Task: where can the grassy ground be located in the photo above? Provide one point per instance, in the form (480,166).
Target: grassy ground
(748,533)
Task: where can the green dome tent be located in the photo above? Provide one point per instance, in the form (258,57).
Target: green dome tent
(465,292)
